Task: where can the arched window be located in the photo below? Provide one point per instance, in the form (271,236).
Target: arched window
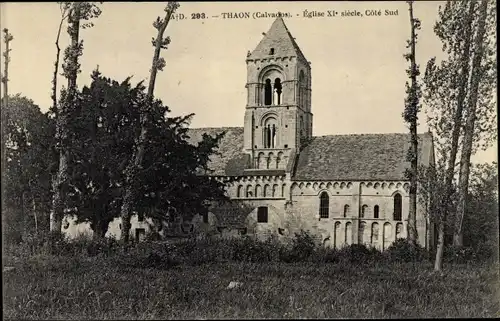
(375,211)
(270,132)
(363,211)
(268,93)
(324,205)
(398,207)
(277,92)
(346,210)
(240,191)
(249,191)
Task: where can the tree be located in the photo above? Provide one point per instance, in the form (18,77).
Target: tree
(445,96)
(5,101)
(483,73)
(78,12)
(30,162)
(410,115)
(64,7)
(481,219)
(106,122)
(136,166)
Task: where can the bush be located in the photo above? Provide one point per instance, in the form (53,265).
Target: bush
(482,252)
(404,251)
(149,255)
(248,249)
(94,246)
(358,253)
(302,248)
(325,255)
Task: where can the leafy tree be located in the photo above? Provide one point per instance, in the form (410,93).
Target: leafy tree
(482,90)
(30,163)
(410,115)
(447,96)
(481,219)
(106,122)
(78,12)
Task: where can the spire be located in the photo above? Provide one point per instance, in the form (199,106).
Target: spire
(278,42)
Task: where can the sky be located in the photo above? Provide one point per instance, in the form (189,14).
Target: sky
(358,68)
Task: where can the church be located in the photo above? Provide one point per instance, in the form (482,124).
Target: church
(343,189)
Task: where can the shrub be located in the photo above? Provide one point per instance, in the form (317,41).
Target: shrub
(482,252)
(302,248)
(358,253)
(325,255)
(149,255)
(248,249)
(404,251)
(94,246)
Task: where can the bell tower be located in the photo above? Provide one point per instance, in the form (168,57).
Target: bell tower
(278,112)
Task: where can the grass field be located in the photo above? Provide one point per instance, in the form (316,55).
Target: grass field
(47,287)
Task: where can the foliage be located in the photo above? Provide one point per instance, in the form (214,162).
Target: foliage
(481,219)
(302,247)
(107,120)
(403,251)
(480,225)
(30,163)
(480,253)
(410,115)
(147,112)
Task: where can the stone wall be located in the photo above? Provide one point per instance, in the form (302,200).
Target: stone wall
(350,214)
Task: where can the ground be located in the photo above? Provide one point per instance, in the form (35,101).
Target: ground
(95,288)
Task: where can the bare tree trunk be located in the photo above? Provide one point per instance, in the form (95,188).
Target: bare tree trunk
(438,263)
(57,204)
(56,63)
(62,123)
(457,124)
(412,215)
(463,184)
(135,166)
(5,79)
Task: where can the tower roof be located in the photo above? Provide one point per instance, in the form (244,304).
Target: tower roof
(279,38)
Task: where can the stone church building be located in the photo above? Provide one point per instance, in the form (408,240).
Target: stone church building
(343,189)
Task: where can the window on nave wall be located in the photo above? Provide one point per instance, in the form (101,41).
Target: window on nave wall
(324,205)
(346,210)
(398,207)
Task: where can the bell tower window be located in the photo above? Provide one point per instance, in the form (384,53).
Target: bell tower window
(268,94)
(277,92)
(270,132)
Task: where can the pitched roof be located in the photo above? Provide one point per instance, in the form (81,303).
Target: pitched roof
(333,157)
(359,157)
(279,38)
(230,160)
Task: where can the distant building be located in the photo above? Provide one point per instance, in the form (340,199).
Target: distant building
(344,189)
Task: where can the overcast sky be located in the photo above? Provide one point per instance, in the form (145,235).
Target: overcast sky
(358,69)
